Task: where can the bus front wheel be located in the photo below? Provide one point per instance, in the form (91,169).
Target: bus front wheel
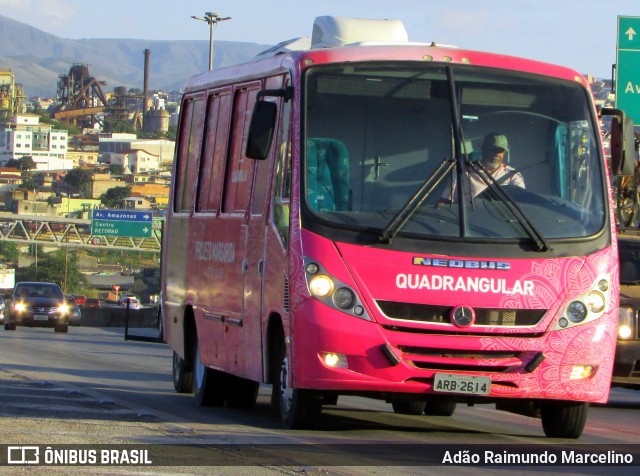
(564,419)
(299,408)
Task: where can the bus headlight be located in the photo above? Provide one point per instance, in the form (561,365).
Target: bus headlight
(576,311)
(19,307)
(321,285)
(333,292)
(63,309)
(595,302)
(626,317)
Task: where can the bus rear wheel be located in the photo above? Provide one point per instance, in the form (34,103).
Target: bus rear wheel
(209,385)
(182,375)
(564,419)
(435,407)
(299,408)
(409,407)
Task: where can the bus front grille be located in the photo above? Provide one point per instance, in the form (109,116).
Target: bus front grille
(428,313)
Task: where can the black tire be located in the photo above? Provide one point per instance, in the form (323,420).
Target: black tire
(160,327)
(626,205)
(209,385)
(182,375)
(439,408)
(409,407)
(564,419)
(64,328)
(241,393)
(299,408)
(9,325)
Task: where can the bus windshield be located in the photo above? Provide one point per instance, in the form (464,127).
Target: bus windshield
(424,150)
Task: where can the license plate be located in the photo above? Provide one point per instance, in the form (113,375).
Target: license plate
(40,317)
(469,384)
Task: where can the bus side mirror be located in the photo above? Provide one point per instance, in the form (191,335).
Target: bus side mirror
(622,143)
(261,130)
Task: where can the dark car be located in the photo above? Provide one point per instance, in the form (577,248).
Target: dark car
(75,315)
(80,299)
(626,369)
(37,304)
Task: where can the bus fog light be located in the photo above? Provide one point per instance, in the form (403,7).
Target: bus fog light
(343,298)
(603,285)
(312,268)
(321,286)
(358,310)
(624,332)
(338,361)
(579,372)
(576,311)
(626,317)
(595,302)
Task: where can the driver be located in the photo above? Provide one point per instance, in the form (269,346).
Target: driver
(495,149)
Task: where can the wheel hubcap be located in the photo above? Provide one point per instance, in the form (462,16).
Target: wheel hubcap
(198,371)
(286,393)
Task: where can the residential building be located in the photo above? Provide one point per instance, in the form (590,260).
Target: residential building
(83,157)
(103,182)
(136,203)
(136,160)
(162,148)
(24,136)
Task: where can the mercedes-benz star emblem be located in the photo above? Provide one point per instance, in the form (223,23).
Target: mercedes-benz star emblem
(462,316)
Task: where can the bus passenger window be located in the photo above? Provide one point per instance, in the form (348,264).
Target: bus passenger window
(189,154)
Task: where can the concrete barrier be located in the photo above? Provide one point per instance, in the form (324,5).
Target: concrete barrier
(116,317)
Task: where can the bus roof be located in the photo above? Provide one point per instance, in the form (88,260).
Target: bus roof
(339,39)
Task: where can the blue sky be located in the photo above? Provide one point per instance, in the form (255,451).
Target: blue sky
(577,33)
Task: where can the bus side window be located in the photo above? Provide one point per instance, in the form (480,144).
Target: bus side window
(240,169)
(188,155)
(215,150)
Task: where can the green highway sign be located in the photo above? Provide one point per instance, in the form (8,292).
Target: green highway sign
(628,67)
(122,223)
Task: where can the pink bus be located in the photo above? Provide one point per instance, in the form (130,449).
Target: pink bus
(410,222)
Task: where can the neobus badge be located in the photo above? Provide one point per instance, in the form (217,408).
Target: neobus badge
(461,263)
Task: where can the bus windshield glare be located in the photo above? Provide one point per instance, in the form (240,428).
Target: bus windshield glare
(386,146)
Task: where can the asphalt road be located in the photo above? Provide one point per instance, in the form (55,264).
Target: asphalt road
(91,387)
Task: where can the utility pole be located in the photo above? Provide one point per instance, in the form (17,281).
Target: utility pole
(212,19)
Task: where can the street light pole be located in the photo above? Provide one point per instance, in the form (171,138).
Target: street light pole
(212,19)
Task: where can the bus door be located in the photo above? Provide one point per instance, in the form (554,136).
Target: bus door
(255,258)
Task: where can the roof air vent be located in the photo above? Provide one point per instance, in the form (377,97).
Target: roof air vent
(330,31)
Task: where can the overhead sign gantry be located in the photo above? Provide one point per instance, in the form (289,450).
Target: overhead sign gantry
(628,67)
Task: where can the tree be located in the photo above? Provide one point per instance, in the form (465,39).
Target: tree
(60,267)
(116,169)
(114,197)
(9,250)
(81,180)
(117,125)
(23,163)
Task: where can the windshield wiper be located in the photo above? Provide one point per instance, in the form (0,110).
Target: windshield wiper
(494,187)
(414,202)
